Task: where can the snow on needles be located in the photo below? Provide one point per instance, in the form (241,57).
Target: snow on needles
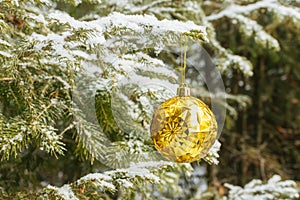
(65,191)
(212,156)
(92,33)
(272,5)
(65,18)
(275,188)
(251,27)
(126,176)
(135,21)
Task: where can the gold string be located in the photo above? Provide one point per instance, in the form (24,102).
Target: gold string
(183,68)
(181,58)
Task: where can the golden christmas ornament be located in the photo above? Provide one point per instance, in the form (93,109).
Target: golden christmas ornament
(183,128)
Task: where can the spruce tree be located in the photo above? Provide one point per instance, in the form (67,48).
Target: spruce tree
(74,120)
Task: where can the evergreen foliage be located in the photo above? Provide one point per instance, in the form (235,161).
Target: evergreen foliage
(275,188)
(75,114)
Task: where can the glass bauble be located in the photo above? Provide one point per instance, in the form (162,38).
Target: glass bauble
(183,129)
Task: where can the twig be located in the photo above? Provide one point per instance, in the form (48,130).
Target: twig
(68,128)
(7,79)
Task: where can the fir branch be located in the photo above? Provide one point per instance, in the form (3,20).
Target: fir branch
(213,156)
(275,188)
(105,115)
(226,59)
(126,181)
(282,12)
(13,137)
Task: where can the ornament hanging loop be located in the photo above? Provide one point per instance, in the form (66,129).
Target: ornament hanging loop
(183,89)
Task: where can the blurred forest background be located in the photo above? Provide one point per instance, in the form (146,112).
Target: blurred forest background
(47,138)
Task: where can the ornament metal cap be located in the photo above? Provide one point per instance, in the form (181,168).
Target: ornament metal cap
(183,90)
